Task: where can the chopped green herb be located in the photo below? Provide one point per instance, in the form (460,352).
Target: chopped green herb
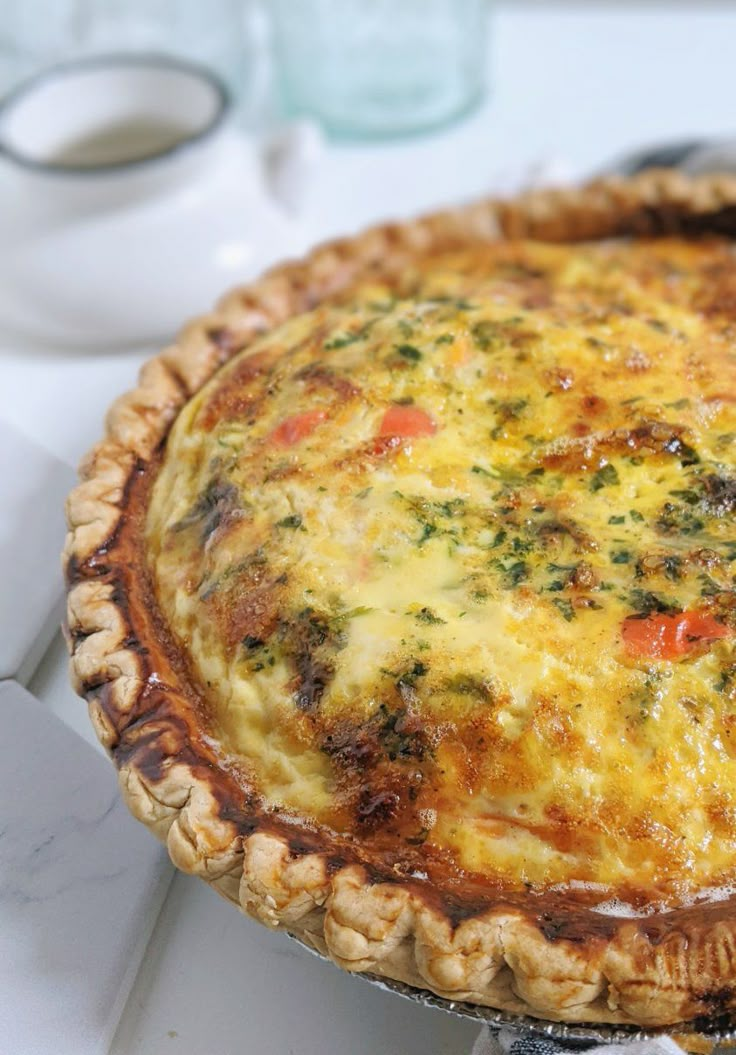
(677,520)
(485,334)
(517,572)
(337,622)
(408,679)
(673,567)
(647,697)
(512,408)
(617,520)
(293,521)
(708,586)
(636,515)
(519,545)
(408,351)
(426,615)
(504,473)
(621,556)
(727,681)
(471,685)
(341,341)
(450,508)
(606,476)
(691,498)
(644,602)
(565,608)
(428,530)
(687,454)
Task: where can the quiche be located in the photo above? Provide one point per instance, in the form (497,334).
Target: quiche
(402,594)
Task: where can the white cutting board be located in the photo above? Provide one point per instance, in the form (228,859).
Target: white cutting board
(81,885)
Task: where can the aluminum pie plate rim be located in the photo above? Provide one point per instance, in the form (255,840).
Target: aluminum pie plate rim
(716,1031)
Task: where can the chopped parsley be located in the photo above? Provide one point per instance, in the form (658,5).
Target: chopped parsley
(341,341)
(565,608)
(405,682)
(727,681)
(485,334)
(673,567)
(645,603)
(675,519)
(294,521)
(426,615)
(471,685)
(409,351)
(606,476)
(516,573)
(620,556)
(428,530)
(689,497)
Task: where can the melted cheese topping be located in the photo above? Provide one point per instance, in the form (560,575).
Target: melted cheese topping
(453,562)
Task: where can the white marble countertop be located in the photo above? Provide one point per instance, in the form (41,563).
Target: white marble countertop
(579,82)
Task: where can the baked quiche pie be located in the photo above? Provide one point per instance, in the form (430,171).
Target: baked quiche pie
(402,593)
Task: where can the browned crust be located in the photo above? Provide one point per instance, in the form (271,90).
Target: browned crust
(550,957)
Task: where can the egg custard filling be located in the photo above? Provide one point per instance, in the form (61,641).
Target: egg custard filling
(452,560)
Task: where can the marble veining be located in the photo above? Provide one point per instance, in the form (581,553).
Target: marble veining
(80,887)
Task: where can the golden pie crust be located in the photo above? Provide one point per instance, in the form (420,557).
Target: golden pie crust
(433,914)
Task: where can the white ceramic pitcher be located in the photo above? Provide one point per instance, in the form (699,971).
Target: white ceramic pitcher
(129,202)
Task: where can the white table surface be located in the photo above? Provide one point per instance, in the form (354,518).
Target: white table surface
(70,852)
(577,82)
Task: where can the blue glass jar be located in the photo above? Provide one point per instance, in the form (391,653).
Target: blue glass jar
(377,68)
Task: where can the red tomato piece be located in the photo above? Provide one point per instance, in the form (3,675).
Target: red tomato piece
(407,423)
(670,636)
(296,428)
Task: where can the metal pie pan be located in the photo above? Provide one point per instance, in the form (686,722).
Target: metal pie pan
(699,1033)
